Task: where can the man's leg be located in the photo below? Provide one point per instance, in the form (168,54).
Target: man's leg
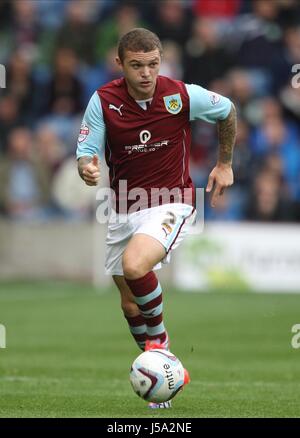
(142,253)
(131,312)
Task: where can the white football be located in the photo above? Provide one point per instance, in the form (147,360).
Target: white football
(157,375)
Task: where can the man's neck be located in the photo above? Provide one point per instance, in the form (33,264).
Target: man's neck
(139,96)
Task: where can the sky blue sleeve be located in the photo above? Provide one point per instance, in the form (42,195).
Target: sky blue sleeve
(92,135)
(207,105)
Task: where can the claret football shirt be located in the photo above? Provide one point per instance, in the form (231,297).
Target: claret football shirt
(148,148)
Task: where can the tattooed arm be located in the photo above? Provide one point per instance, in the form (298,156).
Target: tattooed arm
(226,135)
(222,176)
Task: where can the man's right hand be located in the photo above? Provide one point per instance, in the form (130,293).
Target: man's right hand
(89,170)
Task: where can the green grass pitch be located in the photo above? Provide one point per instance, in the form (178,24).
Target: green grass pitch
(69,353)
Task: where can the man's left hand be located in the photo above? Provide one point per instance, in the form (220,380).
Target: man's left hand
(220,177)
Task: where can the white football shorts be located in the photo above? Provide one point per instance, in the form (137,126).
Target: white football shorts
(168,223)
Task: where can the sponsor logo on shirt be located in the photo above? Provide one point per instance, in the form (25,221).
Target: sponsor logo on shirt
(173,103)
(146,147)
(83,133)
(145,136)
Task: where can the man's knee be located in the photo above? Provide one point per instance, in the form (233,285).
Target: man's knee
(134,268)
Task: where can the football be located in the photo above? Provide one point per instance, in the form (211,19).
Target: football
(157,375)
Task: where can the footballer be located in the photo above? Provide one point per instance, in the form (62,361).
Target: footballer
(142,123)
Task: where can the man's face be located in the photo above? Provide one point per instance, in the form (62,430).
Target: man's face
(140,71)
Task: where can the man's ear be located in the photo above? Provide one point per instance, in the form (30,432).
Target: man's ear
(119,62)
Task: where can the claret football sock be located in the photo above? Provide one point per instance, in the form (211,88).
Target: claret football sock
(148,296)
(138,329)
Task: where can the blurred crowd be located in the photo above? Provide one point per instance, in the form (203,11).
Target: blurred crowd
(57,52)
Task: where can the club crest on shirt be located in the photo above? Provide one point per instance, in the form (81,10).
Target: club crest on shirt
(173,103)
